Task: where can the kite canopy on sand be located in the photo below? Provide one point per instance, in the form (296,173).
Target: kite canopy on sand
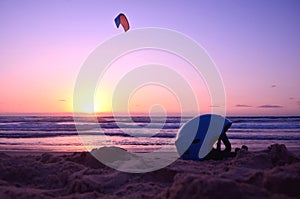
(122,19)
(196,137)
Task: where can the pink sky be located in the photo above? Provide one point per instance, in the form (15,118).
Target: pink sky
(255,45)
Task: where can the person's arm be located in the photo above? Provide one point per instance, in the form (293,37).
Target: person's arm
(226,142)
(219,145)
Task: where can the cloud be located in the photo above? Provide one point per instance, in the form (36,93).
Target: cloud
(62,100)
(298,102)
(270,106)
(291,98)
(242,105)
(214,106)
(273,86)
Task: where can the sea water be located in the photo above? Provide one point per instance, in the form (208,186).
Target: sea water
(59,133)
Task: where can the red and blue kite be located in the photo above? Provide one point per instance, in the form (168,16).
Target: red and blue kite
(122,19)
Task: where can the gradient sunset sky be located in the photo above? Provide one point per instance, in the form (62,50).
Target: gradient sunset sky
(255,45)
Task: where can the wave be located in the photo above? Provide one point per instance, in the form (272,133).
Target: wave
(63,134)
(263,137)
(265,126)
(157,135)
(291,119)
(28,119)
(71,127)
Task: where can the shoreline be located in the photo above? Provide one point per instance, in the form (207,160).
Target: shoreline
(294,150)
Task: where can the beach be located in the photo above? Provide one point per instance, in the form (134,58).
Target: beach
(149,100)
(47,157)
(270,173)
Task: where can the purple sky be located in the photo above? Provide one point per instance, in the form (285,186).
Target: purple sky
(255,45)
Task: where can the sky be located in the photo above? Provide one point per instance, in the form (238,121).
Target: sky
(254,44)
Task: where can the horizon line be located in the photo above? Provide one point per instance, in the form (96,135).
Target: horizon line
(107,114)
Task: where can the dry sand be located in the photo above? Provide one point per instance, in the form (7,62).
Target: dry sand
(273,173)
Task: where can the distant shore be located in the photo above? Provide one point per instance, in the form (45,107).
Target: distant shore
(271,173)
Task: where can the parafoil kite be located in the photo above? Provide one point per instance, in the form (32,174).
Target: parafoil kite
(197,137)
(122,19)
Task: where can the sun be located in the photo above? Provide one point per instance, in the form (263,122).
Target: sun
(102,104)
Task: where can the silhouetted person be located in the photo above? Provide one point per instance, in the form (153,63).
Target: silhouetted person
(223,137)
(225,141)
(218,154)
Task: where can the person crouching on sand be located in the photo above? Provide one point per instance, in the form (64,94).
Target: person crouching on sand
(218,154)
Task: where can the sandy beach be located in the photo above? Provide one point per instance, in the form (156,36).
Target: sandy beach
(149,99)
(271,173)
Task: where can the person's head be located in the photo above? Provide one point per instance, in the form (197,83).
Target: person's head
(245,147)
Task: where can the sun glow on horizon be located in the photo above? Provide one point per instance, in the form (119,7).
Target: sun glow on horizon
(256,53)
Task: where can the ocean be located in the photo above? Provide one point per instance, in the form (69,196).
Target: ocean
(139,134)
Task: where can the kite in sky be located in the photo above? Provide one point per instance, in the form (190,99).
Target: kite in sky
(122,19)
